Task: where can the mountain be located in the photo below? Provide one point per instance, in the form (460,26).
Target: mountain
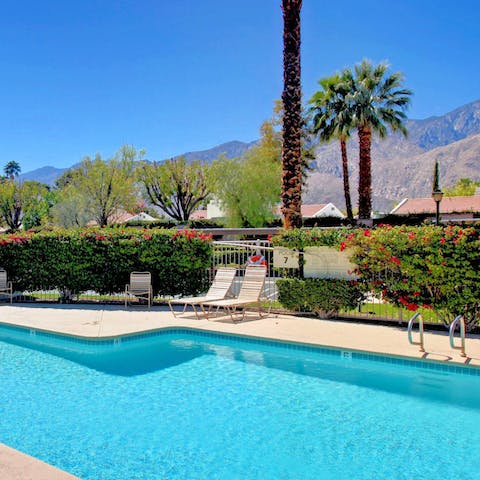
(232,149)
(46,175)
(401,166)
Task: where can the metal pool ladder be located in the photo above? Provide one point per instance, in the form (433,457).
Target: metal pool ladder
(417,316)
(458,320)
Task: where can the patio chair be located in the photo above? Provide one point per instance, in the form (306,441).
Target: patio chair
(5,286)
(218,291)
(250,291)
(140,287)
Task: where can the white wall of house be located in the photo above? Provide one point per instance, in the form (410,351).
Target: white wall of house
(215,210)
(329,210)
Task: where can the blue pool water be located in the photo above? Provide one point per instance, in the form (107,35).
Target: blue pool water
(190,407)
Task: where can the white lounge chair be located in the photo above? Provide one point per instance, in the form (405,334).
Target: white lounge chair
(140,287)
(250,292)
(218,291)
(5,286)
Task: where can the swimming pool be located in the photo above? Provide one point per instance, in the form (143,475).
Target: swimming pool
(187,405)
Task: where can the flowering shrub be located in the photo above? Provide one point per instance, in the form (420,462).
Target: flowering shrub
(428,266)
(102,259)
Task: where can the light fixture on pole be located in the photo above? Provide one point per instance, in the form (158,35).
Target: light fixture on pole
(437,193)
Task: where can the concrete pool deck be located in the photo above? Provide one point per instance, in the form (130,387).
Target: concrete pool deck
(100,321)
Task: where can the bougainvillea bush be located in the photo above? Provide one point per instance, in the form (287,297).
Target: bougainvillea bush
(102,259)
(429,266)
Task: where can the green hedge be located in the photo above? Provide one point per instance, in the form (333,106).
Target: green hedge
(325,297)
(102,259)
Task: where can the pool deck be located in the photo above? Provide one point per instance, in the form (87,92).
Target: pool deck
(100,321)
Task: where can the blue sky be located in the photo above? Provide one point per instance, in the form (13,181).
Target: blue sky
(80,77)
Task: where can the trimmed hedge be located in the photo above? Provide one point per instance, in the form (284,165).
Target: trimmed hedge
(102,259)
(325,297)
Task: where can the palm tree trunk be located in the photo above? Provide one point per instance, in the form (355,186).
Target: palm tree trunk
(365,173)
(346,179)
(292,116)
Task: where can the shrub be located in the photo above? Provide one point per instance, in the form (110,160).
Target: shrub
(429,266)
(205,223)
(298,239)
(102,259)
(324,297)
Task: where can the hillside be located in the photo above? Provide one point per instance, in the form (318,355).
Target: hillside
(400,166)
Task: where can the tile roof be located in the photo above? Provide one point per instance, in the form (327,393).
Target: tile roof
(307,210)
(198,215)
(447,205)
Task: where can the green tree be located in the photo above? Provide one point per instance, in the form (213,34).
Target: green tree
(464,187)
(249,187)
(22,201)
(103,187)
(176,186)
(292,162)
(378,102)
(332,119)
(12,169)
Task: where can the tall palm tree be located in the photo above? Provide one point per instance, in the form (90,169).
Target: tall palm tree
(332,119)
(292,163)
(12,169)
(378,103)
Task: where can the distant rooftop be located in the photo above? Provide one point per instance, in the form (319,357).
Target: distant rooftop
(467,204)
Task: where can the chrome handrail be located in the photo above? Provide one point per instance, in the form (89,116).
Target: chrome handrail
(411,322)
(458,320)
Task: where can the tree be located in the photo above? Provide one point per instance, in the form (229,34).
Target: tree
(333,120)
(292,163)
(12,169)
(249,187)
(104,187)
(464,187)
(377,102)
(176,186)
(22,201)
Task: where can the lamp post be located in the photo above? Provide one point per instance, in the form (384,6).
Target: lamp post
(437,193)
(437,196)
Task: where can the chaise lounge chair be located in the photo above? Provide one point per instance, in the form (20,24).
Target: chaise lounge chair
(140,287)
(250,291)
(5,286)
(218,291)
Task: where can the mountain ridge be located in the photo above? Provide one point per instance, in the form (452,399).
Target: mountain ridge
(400,166)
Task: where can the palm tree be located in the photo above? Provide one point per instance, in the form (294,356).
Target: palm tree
(333,120)
(292,163)
(378,103)
(12,169)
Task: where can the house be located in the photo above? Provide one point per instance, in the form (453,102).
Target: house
(199,215)
(317,210)
(451,208)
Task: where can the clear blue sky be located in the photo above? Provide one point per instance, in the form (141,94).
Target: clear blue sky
(80,77)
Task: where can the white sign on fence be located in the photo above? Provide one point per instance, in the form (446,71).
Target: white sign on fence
(327,262)
(285,258)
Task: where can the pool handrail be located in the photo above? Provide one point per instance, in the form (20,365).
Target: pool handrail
(458,320)
(411,322)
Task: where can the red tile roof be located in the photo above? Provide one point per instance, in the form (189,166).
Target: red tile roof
(198,215)
(447,205)
(307,210)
